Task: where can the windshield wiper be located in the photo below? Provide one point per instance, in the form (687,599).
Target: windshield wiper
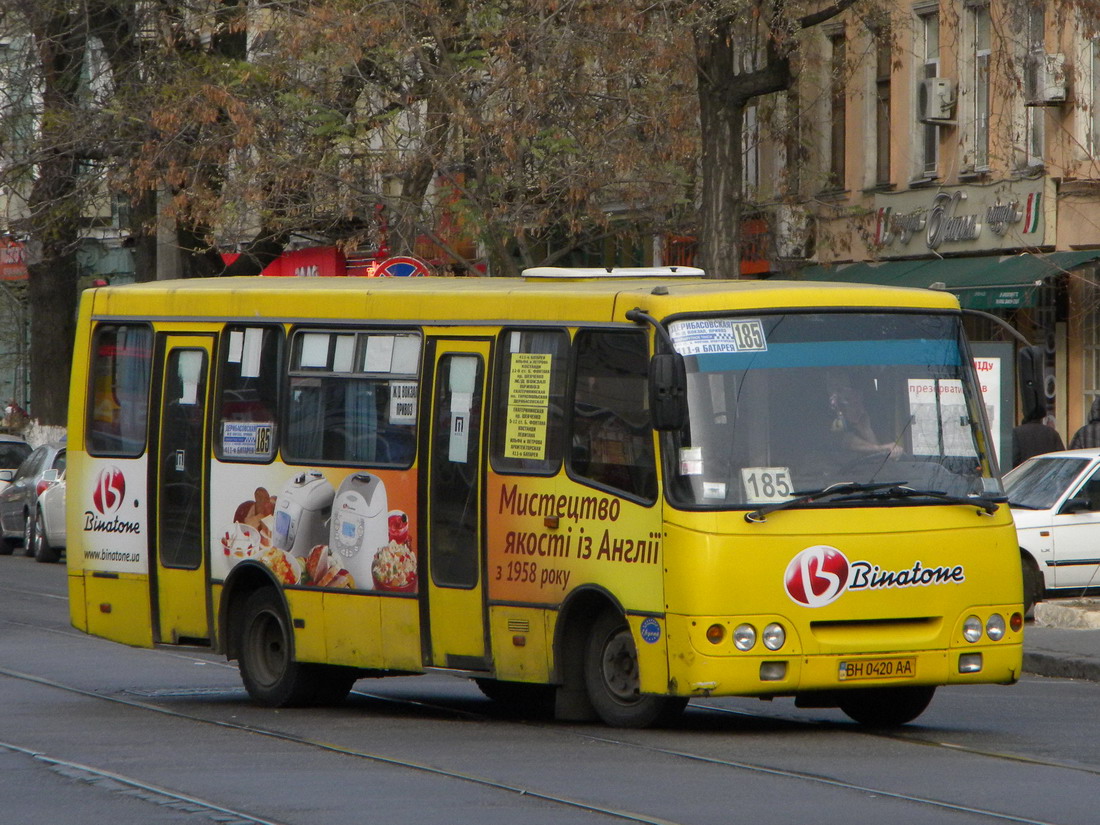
(843,488)
(854,491)
(985,503)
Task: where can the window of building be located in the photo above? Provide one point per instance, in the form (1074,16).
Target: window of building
(883,65)
(612,437)
(528,424)
(352,397)
(1034,116)
(750,152)
(1094,96)
(249,381)
(928,51)
(979,35)
(838,123)
(122,355)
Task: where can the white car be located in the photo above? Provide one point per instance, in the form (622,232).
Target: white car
(1055,501)
(48,539)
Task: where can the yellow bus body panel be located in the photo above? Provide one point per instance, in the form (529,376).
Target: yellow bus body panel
(119,608)
(747,567)
(353,630)
(520,637)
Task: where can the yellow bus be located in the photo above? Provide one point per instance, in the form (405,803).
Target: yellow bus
(604,492)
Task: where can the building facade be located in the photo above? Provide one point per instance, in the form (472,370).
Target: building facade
(951,144)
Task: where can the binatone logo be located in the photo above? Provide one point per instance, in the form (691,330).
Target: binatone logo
(820,574)
(817,576)
(110,490)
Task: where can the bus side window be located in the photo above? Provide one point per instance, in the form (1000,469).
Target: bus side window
(528,421)
(122,355)
(352,397)
(248,391)
(612,437)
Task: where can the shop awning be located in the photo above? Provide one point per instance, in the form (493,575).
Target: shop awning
(988,282)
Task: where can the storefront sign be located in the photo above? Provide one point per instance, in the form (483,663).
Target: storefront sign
(1009,215)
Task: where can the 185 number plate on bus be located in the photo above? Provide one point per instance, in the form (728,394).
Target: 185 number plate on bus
(899,668)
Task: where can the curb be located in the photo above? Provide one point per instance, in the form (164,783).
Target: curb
(1061,667)
(1081,614)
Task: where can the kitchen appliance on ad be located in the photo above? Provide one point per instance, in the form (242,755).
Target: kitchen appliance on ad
(360,524)
(302,513)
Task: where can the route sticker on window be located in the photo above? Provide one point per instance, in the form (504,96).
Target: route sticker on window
(763,485)
(705,336)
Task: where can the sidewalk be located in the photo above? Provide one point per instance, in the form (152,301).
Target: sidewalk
(1064,639)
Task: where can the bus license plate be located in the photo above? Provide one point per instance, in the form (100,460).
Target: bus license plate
(904,668)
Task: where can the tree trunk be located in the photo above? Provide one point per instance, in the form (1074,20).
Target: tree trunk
(51,301)
(720,212)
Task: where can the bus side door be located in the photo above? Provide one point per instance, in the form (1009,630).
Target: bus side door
(454,620)
(181,600)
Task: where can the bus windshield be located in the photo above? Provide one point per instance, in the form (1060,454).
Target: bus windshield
(783,404)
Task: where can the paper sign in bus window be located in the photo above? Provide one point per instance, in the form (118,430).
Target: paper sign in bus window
(236,346)
(250,352)
(941,420)
(379,354)
(345,353)
(406,355)
(461,382)
(315,350)
(403,402)
(718,335)
(528,405)
(189,370)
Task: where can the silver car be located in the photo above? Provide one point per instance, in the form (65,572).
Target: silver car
(49,529)
(19,499)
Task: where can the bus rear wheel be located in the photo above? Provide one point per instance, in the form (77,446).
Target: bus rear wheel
(270,674)
(887,707)
(611,678)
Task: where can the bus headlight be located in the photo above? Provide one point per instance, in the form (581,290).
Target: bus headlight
(972,629)
(744,637)
(995,627)
(774,636)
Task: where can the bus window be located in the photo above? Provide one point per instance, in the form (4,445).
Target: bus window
(119,396)
(248,393)
(352,398)
(612,438)
(527,427)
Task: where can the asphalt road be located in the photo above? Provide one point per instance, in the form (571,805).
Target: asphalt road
(95,732)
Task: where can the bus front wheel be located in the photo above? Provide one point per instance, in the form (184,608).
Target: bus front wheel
(612,680)
(270,674)
(887,707)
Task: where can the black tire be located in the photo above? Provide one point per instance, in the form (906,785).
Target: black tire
(612,680)
(43,552)
(28,534)
(270,674)
(520,698)
(887,707)
(1034,586)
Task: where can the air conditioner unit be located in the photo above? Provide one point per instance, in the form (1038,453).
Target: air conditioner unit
(793,231)
(1045,80)
(936,100)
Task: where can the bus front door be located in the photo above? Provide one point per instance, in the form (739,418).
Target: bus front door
(453,618)
(182,592)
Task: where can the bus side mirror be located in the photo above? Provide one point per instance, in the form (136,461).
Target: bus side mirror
(1031,368)
(668,391)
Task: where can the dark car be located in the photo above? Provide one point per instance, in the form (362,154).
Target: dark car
(19,499)
(13,451)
